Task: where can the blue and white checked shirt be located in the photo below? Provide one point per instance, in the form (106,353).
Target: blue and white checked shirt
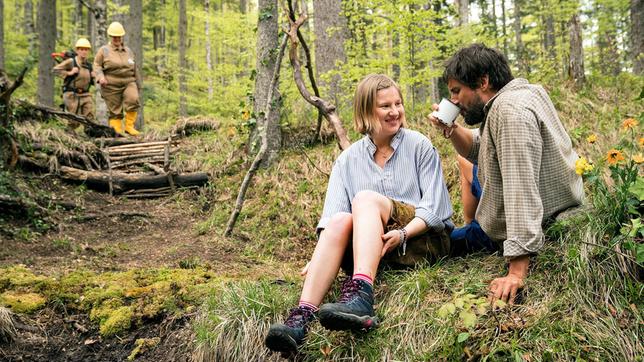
(412,175)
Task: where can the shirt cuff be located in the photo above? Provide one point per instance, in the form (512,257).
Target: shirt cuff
(431,220)
(514,248)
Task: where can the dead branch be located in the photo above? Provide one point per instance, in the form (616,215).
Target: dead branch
(264,147)
(327,108)
(309,68)
(92,129)
(8,147)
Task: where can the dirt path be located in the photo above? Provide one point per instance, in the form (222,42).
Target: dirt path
(115,234)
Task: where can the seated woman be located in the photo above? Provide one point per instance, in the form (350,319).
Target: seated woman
(386,201)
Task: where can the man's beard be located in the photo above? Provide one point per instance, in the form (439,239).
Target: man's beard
(475,114)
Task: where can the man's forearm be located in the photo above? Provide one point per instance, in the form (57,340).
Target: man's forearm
(518,266)
(462,140)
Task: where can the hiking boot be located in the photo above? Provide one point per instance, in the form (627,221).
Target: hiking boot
(289,336)
(354,310)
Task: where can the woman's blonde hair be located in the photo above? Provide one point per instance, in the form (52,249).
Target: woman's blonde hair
(364,102)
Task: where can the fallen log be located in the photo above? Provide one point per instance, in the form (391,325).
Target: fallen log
(122,182)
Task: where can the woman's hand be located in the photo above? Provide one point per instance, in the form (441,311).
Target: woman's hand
(391,240)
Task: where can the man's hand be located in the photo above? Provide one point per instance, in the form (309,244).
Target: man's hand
(74,70)
(102,81)
(506,288)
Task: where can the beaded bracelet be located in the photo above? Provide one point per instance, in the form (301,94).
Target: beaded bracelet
(403,239)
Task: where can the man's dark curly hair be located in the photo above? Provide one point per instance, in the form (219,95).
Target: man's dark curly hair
(470,64)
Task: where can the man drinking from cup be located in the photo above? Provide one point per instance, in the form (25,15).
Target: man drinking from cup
(519,164)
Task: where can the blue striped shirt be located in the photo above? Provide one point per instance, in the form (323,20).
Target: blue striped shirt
(412,175)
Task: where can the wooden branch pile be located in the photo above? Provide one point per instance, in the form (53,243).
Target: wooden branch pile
(153,155)
(142,170)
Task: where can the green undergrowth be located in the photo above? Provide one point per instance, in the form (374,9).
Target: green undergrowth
(115,301)
(583,300)
(576,306)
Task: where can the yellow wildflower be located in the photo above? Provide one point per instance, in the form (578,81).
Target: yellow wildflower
(641,141)
(614,156)
(582,166)
(592,138)
(629,123)
(638,158)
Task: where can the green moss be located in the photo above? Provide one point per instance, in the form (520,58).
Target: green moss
(22,302)
(142,345)
(19,277)
(104,310)
(118,321)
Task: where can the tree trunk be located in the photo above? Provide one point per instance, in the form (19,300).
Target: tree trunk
(267,47)
(576,65)
(183,27)
(1,34)
(120,16)
(495,30)
(206,6)
(504,29)
(79,21)
(30,28)
(330,35)
(549,33)
(463,12)
(637,36)
(134,37)
(520,49)
(243,6)
(47,45)
(100,35)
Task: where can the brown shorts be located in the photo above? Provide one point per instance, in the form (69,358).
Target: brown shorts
(425,248)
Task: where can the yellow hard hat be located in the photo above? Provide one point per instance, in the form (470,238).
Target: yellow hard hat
(115,29)
(83,43)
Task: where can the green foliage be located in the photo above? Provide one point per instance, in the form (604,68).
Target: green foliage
(615,183)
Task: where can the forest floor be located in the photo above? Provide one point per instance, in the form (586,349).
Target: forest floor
(111,234)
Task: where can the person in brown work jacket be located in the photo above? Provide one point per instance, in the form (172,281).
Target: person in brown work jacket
(119,80)
(77,72)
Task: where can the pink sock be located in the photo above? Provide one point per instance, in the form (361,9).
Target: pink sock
(314,308)
(364,277)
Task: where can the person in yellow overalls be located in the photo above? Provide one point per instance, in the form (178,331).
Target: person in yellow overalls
(77,72)
(120,82)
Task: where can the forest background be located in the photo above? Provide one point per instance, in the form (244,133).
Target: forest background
(215,59)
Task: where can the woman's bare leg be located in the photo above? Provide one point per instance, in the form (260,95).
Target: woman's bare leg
(371,212)
(326,259)
(470,203)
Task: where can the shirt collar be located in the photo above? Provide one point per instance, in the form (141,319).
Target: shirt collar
(119,48)
(371,147)
(516,82)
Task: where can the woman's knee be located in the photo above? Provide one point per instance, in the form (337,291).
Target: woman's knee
(368,198)
(465,167)
(339,227)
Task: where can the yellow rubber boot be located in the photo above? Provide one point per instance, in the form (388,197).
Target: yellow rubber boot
(117,125)
(130,119)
